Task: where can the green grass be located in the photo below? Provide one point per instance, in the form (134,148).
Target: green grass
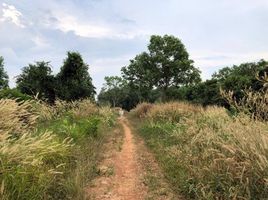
(88,135)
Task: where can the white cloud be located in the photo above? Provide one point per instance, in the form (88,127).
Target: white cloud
(40,42)
(69,23)
(80,27)
(10,13)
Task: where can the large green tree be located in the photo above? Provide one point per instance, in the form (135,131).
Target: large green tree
(74,81)
(37,79)
(3,75)
(166,65)
(139,74)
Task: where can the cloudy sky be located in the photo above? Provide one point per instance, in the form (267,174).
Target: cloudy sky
(110,32)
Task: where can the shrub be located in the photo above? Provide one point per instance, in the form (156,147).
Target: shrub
(14,94)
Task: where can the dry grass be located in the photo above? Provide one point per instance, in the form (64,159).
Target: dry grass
(142,109)
(209,154)
(39,164)
(84,108)
(254,103)
(16,118)
(172,112)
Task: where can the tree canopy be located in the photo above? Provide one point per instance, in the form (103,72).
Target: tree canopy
(166,64)
(74,81)
(37,79)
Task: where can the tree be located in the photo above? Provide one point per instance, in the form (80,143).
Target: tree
(172,66)
(166,65)
(139,75)
(3,75)
(118,93)
(37,79)
(74,81)
(240,77)
(113,89)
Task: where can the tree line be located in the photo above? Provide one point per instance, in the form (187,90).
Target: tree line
(71,83)
(162,73)
(165,73)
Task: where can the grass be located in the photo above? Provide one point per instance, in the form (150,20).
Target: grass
(50,152)
(206,153)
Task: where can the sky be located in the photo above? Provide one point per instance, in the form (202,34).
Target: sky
(108,33)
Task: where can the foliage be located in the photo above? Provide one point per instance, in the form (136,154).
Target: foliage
(37,80)
(139,75)
(74,81)
(14,94)
(113,89)
(3,75)
(167,64)
(205,93)
(236,78)
(240,77)
(209,154)
(119,95)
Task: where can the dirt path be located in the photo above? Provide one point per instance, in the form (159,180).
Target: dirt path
(120,172)
(128,171)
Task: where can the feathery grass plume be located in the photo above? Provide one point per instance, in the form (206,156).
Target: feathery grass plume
(16,118)
(172,112)
(209,154)
(142,109)
(108,115)
(30,164)
(254,103)
(84,108)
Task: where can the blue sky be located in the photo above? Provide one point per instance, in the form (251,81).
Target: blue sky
(110,32)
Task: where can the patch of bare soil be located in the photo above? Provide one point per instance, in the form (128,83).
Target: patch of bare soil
(121,175)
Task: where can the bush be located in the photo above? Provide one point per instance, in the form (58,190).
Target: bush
(14,94)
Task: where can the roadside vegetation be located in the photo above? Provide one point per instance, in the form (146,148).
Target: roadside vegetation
(207,153)
(50,152)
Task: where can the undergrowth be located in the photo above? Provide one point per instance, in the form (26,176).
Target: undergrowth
(49,152)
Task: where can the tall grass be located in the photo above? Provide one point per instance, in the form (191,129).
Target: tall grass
(207,154)
(48,152)
(253,103)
